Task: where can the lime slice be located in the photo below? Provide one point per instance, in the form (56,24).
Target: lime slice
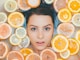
(49,1)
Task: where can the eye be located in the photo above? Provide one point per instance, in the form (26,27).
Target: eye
(33,29)
(47,28)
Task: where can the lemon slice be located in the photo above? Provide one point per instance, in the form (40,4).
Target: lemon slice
(20,32)
(49,1)
(14,40)
(3,17)
(25,42)
(10,5)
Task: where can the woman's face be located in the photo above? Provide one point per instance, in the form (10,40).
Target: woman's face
(40,30)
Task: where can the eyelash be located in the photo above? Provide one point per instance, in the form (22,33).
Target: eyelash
(33,29)
(47,28)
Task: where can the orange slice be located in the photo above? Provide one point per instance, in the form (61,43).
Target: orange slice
(64,15)
(23,5)
(33,56)
(3,50)
(15,55)
(3,17)
(5,31)
(65,54)
(66,29)
(76,19)
(59,59)
(74,5)
(59,4)
(16,19)
(33,3)
(59,43)
(48,54)
(10,5)
(73,46)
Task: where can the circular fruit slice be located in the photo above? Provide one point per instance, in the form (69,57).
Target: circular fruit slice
(23,5)
(26,52)
(48,54)
(33,3)
(74,5)
(66,29)
(16,19)
(15,55)
(64,15)
(5,31)
(33,56)
(3,17)
(24,42)
(65,54)
(20,32)
(59,43)
(14,40)
(49,1)
(3,50)
(10,5)
(73,46)
(59,4)
(76,19)
(59,59)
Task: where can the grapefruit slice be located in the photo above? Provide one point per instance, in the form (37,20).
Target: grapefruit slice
(76,19)
(14,40)
(59,43)
(3,50)
(48,54)
(33,56)
(23,5)
(64,15)
(3,17)
(10,5)
(25,42)
(66,29)
(16,19)
(33,3)
(49,1)
(15,55)
(59,4)
(73,46)
(5,31)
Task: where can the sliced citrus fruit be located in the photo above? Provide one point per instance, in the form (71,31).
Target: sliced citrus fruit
(74,5)
(20,32)
(33,3)
(25,42)
(33,56)
(3,50)
(5,31)
(66,29)
(3,17)
(23,5)
(16,19)
(49,1)
(14,40)
(64,15)
(59,59)
(15,55)
(73,46)
(59,4)
(48,54)
(65,54)
(76,19)
(59,43)
(10,5)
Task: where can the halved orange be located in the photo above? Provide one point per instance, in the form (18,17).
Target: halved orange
(59,43)
(23,5)
(48,54)
(14,55)
(33,56)
(66,29)
(64,15)
(59,4)
(3,50)
(74,5)
(33,3)
(73,46)
(16,19)
(5,30)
